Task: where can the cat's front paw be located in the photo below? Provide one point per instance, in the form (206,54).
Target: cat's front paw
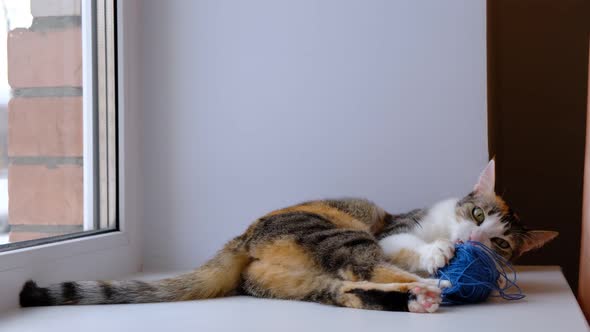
(436,255)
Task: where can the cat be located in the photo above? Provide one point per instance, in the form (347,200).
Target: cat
(423,240)
(345,252)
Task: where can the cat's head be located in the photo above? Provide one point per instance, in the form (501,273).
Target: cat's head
(485,217)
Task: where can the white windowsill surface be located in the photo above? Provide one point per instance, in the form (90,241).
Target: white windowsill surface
(549,306)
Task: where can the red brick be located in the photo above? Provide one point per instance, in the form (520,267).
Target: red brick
(45,126)
(45,58)
(24,236)
(45,196)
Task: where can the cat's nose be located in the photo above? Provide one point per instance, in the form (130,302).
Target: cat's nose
(476,236)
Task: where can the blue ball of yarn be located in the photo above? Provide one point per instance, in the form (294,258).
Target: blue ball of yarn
(474,274)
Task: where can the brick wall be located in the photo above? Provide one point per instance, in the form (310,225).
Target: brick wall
(45,177)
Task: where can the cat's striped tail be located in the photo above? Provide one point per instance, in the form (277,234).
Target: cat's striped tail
(218,277)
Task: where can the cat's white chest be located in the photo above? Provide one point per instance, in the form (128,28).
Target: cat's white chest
(439,223)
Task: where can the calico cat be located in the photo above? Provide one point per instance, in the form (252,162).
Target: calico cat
(346,252)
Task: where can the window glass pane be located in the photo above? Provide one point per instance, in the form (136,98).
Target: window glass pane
(48,121)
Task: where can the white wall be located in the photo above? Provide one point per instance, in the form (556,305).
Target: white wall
(253,105)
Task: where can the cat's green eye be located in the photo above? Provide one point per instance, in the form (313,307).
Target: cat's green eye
(478,215)
(501,243)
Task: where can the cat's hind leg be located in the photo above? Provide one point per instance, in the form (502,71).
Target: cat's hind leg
(389,273)
(414,297)
(284,270)
(265,279)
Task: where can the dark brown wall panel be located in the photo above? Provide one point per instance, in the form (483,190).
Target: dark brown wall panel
(537,85)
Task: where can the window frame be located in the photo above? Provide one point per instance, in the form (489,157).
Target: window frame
(99,62)
(111,254)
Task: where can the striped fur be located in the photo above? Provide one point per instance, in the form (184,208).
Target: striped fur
(329,252)
(218,277)
(321,251)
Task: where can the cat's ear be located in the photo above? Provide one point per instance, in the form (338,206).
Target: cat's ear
(537,239)
(487,179)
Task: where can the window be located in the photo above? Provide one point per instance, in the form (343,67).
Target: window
(58,120)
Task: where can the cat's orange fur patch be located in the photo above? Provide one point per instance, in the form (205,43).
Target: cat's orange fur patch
(216,278)
(391,274)
(404,257)
(286,270)
(348,274)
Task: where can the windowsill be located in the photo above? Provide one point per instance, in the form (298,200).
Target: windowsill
(19,258)
(549,306)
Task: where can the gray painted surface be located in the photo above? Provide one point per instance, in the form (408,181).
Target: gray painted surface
(51,162)
(55,22)
(59,229)
(253,105)
(65,91)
